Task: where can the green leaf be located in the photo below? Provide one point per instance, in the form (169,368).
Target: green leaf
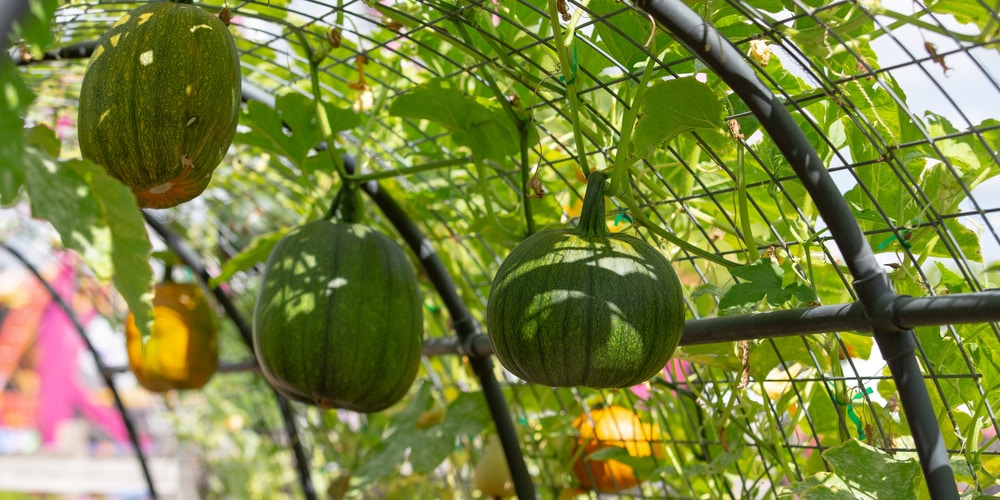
(964,12)
(873,474)
(62,196)
(719,355)
(763,279)
(14,99)
(486,130)
(268,133)
(673,107)
(821,486)
(766,356)
(341,119)
(45,138)
(386,457)
(256,251)
(621,32)
(950,281)
(467,415)
(643,467)
(130,246)
(97,216)
(291,129)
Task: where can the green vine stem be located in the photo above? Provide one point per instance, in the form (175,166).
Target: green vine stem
(638,215)
(569,74)
(413,169)
(619,171)
(523,125)
(742,205)
(321,116)
(529,220)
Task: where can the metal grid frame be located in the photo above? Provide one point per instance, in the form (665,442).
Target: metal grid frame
(715,195)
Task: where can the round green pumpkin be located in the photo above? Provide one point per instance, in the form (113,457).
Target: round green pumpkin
(584,307)
(338,321)
(160,101)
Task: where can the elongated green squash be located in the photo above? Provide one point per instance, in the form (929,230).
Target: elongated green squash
(160,101)
(338,321)
(583,307)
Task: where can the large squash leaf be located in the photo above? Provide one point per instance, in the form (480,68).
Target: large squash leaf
(95,215)
(672,108)
(485,130)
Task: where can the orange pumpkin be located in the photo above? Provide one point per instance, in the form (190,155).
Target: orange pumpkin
(614,426)
(182,352)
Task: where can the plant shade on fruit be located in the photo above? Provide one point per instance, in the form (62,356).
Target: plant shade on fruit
(339,321)
(614,426)
(182,351)
(160,101)
(583,307)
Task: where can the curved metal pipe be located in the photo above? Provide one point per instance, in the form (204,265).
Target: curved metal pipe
(870,281)
(133,435)
(466,328)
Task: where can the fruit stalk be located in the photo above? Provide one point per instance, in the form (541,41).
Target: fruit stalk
(592,214)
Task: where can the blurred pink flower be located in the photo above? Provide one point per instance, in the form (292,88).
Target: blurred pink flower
(675,371)
(65,126)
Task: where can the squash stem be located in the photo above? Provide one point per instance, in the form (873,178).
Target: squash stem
(592,221)
(347,205)
(168,273)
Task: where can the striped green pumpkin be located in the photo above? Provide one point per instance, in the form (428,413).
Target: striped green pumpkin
(583,307)
(338,321)
(160,101)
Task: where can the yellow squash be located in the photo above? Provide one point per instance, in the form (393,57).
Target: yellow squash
(182,352)
(613,426)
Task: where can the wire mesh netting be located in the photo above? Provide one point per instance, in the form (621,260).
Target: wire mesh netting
(482,120)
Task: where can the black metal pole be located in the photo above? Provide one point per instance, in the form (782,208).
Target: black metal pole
(133,435)
(977,307)
(193,261)
(870,281)
(905,313)
(76,51)
(466,328)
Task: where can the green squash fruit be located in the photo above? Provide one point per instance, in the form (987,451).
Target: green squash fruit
(338,321)
(584,307)
(160,101)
